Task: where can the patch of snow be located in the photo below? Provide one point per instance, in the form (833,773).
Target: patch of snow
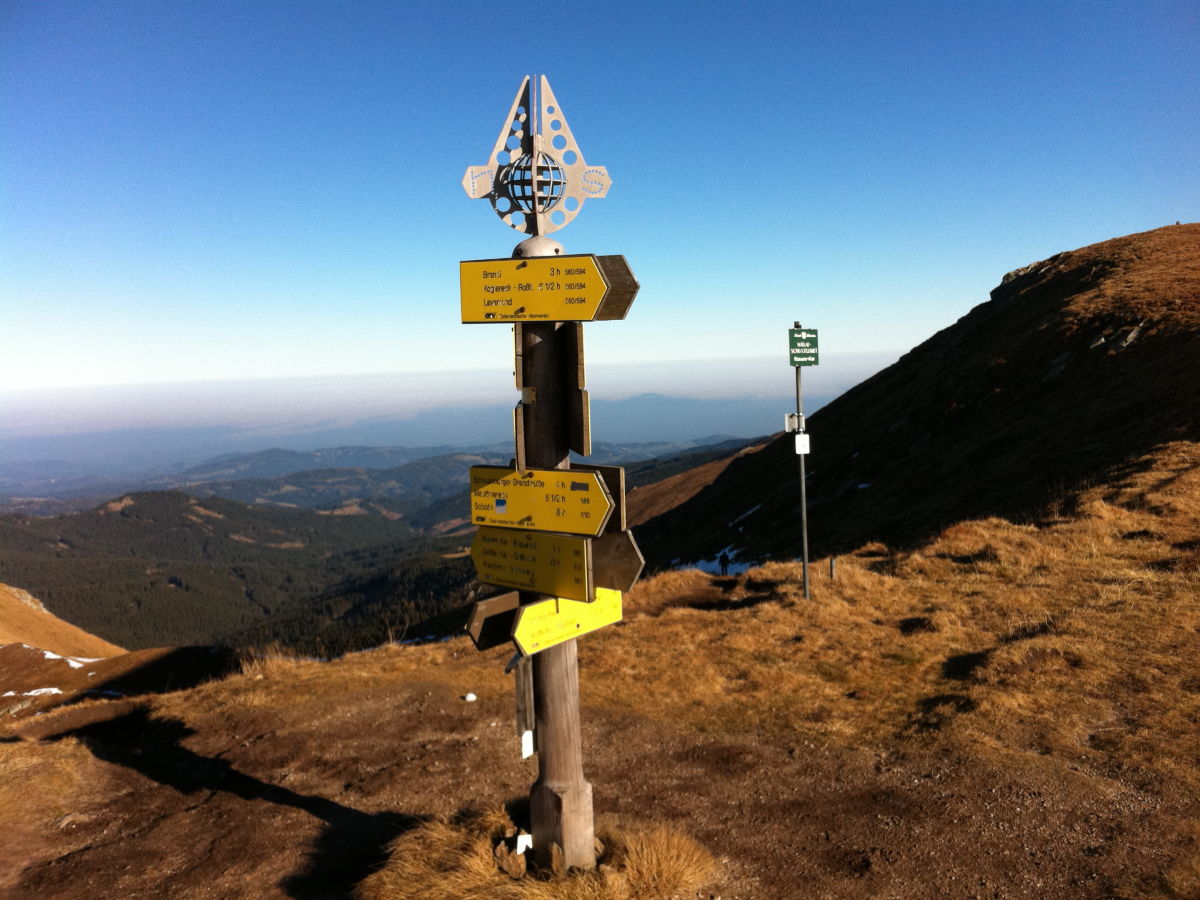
(39,692)
(748,512)
(9,694)
(864,486)
(428,639)
(73,662)
(712,567)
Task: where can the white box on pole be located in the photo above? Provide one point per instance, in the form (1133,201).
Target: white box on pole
(801,444)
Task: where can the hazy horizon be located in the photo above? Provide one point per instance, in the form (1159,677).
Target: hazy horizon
(138,427)
(299,402)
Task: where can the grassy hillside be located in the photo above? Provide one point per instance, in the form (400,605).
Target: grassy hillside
(1004,710)
(23,619)
(1074,368)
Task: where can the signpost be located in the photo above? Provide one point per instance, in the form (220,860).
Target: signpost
(802,351)
(538,532)
(492,620)
(616,561)
(802,346)
(556,564)
(581,288)
(540,499)
(549,622)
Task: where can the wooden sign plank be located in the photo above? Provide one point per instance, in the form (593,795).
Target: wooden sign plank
(579,409)
(555,564)
(550,622)
(616,561)
(560,500)
(491,622)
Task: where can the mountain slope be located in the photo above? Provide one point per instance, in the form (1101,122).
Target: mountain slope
(1006,711)
(162,568)
(24,620)
(406,488)
(1076,366)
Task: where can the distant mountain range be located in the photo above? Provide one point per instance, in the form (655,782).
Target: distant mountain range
(402,478)
(323,560)
(100,464)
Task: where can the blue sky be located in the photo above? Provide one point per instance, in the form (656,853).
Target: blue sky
(219,190)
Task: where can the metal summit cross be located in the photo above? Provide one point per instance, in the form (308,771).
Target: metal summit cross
(554,531)
(540,198)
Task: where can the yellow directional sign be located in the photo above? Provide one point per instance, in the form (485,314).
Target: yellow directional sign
(540,499)
(556,564)
(576,288)
(549,622)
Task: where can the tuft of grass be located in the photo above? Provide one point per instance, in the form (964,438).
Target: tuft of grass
(685,587)
(453,859)
(270,661)
(1183,878)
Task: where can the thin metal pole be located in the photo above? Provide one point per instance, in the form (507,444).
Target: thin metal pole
(803,485)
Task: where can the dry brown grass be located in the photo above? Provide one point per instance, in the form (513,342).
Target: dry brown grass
(451,860)
(274,661)
(1076,638)
(38,780)
(1073,640)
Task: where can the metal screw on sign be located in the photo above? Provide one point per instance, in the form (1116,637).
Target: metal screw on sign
(537,181)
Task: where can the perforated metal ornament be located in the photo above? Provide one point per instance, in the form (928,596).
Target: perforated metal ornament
(536,177)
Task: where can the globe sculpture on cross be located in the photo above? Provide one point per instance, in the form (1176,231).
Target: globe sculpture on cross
(536,199)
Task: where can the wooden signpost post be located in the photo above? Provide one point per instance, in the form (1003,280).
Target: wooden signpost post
(554,532)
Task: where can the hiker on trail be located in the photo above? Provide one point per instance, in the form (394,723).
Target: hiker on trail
(724,561)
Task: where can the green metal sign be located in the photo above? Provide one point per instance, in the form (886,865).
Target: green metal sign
(802,346)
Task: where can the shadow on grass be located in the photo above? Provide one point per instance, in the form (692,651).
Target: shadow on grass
(175,670)
(963,665)
(723,604)
(934,712)
(351,846)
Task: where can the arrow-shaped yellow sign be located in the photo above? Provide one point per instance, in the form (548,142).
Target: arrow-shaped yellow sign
(576,288)
(555,564)
(540,499)
(549,622)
